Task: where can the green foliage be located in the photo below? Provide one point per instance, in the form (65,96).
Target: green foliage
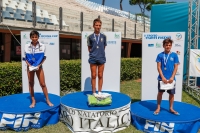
(155,2)
(147,4)
(131,68)
(10,78)
(70,74)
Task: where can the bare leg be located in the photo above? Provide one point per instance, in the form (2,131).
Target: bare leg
(40,75)
(100,76)
(93,68)
(171,102)
(159,98)
(31,85)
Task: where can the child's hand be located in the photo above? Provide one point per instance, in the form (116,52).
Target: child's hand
(164,80)
(170,80)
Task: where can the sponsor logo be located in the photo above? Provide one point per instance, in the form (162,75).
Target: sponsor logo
(111,42)
(117,36)
(51,43)
(24,36)
(177,45)
(47,36)
(172,59)
(158,45)
(28,42)
(21,121)
(159,126)
(178,52)
(178,36)
(150,45)
(156,36)
(44,42)
(86,35)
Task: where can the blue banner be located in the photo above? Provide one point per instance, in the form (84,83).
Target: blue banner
(149,126)
(22,122)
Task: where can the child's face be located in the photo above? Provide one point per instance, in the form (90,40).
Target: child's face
(167,47)
(34,38)
(97,26)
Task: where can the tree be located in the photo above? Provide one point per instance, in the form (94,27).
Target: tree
(121,5)
(141,3)
(148,8)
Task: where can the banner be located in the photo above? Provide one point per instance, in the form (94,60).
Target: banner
(151,47)
(149,126)
(100,121)
(23,122)
(51,65)
(111,75)
(194,68)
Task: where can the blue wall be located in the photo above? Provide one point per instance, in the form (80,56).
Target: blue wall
(171,18)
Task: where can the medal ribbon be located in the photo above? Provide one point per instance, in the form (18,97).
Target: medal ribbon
(97,40)
(166,59)
(33,50)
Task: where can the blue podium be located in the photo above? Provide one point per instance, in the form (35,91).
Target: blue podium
(165,122)
(80,117)
(15,113)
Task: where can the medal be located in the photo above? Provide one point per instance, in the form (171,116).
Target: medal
(97,46)
(165,68)
(33,59)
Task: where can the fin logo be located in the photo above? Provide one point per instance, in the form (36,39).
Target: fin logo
(20,120)
(159,126)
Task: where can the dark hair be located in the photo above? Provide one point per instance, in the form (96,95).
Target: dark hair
(97,20)
(167,40)
(34,32)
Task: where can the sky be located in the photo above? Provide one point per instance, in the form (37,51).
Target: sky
(126,6)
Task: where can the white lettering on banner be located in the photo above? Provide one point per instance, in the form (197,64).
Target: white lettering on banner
(31,118)
(159,126)
(7,119)
(156,36)
(83,120)
(19,119)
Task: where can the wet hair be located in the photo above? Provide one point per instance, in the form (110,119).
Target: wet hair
(34,32)
(97,20)
(167,40)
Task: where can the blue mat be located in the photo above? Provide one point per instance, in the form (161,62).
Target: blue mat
(15,112)
(143,118)
(79,100)
(19,103)
(145,109)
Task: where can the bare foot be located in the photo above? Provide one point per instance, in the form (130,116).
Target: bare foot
(174,112)
(32,104)
(49,103)
(157,111)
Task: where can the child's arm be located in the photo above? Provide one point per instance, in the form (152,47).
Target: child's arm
(27,63)
(89,48)
(176,63)
(160,72)
(174,73)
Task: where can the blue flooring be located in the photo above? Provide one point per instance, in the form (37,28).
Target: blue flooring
(19,103)
(145,109)
(79,100)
